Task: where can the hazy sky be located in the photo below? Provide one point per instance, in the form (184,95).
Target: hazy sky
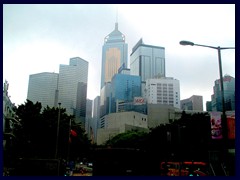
(38,38)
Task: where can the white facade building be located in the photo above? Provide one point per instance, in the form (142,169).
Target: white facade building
(70,76)
(42,87)
(165,90)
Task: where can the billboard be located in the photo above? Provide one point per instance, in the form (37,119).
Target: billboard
(231,124)
(216,125)
(139,101)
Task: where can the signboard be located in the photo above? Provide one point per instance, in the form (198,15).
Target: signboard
(216,125)
(139,101)
(231,124)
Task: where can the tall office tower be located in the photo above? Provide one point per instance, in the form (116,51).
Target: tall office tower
(72,87)
(114,54)
(80,110)
(105,99)
(95,120)
(164,90)
(229,94)
(124,88)
(193,103)
(89,107)
(147,61)
(42,87)
(208,106)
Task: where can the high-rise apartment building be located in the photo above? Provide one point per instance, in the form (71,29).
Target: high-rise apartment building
(72,87)
(114,54)
(229,94)
(42,87)
(193,103)
(163,90)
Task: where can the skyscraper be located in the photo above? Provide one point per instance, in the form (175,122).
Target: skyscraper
(72,87)
(96,119)
(147,61)
(124,88)
(89,107)
(42,88)
(105,95)
(114,54)
(229,94)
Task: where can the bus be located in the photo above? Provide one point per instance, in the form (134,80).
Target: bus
(185,168)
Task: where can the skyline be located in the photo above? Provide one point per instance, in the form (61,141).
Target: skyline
(44,36)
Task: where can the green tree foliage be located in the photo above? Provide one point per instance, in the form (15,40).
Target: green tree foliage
(129,139)
(186,138)
(37,135)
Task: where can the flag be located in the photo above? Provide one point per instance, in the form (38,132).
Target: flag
(73,133)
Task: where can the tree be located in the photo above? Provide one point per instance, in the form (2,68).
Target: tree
(29,117)
(37,134)
(129,139)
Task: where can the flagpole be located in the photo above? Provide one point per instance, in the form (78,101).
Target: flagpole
(58,122)
(69,136)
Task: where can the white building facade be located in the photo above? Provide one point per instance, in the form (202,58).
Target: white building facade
(165,90)
(70,77)
(42,87)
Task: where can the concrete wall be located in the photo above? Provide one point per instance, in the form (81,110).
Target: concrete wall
(121,122)
(159,114)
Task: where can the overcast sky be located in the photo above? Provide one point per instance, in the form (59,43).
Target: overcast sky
(38,38)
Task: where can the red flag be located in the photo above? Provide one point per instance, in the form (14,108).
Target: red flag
(73,133)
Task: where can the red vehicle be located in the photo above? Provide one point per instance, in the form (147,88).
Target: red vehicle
(186,168)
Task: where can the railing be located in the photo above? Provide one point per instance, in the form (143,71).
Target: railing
(212,170)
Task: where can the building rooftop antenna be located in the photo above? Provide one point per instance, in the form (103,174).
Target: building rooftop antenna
(116,24)
(117,15)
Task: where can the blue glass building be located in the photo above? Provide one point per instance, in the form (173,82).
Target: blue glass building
(114,54)
(229,94)
(124,88)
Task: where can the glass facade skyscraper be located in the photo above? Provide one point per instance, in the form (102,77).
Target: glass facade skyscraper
(114,54)
(105,99)
(72,87)
(147,61)
(124,88)
(42,88)
(229,94)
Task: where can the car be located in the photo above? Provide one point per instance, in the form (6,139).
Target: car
(90,164)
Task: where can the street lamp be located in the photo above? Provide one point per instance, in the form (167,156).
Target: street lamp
(56,152)
(224,123)
(184,43)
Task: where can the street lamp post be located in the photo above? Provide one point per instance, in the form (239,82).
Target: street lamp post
(220,65)
(58,122)
(224,123)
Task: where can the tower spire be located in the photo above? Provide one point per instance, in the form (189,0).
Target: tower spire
(117,15)
(116,24)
